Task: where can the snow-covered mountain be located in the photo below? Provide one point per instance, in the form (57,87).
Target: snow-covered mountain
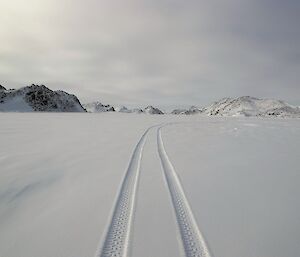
(38,98)
(251,106)
(191,110)
(124,109)
(98,107)
(152,110)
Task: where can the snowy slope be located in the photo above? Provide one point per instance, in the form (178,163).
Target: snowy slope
(198,185)
(251,106)
(17,103)
(38,98)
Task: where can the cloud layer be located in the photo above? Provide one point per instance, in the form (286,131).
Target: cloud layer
(158,51)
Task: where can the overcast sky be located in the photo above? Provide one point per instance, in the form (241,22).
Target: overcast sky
(153,51)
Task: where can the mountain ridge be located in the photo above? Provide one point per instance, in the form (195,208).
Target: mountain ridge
(42,99)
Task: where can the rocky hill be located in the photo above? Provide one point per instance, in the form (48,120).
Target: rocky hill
(38,98)
(152,110)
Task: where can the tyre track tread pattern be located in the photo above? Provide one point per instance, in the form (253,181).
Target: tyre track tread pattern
(116,241)
(193,242)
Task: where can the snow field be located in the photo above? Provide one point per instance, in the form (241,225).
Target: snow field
(74,181)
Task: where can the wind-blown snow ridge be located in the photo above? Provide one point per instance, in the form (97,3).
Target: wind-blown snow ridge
(193,242)
(116,242)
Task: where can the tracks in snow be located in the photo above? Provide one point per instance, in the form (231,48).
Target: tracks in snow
(193,242)
(116,242)
(117,237)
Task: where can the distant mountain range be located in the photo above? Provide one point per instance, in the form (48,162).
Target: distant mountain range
(241,106)
(191,110)
(99,107)
(42,99)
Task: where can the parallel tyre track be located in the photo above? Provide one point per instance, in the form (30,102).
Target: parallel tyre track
(117,238)
(193,242)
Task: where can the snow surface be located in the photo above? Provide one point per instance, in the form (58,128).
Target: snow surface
(61,177)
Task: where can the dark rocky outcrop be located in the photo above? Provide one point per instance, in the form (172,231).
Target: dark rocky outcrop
(40,99)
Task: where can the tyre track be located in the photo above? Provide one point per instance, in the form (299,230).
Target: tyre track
(116,241)
(193,242)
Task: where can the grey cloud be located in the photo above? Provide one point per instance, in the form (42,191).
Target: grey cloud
(170,52)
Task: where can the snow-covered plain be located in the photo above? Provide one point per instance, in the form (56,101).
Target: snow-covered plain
(61,180)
